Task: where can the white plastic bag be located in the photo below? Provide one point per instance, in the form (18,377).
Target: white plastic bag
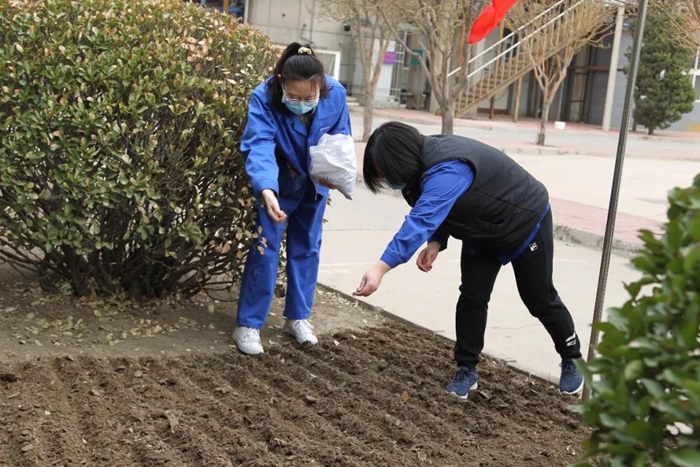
(333,159)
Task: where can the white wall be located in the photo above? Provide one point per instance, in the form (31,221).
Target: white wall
(288,21)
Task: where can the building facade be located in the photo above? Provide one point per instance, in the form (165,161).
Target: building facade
(581,98)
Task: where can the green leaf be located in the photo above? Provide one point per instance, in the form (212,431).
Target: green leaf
(634,370)
(685,458)
(645,264)
(674,376)
(674,234)
(690,262)
(653,387)
(640,430)
(694,229)
(670,409)
(612,421)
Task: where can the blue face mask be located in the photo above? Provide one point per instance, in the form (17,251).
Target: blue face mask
(298,107)
(397,187)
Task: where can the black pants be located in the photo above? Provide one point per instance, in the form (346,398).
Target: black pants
(533,274)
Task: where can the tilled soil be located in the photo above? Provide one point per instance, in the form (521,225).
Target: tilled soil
(372,397)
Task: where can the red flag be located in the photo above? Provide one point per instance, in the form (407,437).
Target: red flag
(489,19)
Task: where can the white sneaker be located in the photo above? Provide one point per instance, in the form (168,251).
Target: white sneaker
(248,340)
(301,329)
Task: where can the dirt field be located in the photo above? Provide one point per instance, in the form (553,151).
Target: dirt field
(132,386)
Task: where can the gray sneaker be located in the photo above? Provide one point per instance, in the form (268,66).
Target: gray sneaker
(248,340)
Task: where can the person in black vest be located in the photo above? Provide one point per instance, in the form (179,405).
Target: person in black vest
(462,188)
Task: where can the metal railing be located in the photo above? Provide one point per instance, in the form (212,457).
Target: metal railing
(506,64)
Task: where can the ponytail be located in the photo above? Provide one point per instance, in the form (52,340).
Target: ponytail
(298,62)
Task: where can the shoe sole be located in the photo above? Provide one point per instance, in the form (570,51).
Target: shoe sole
(248,353)
(290,333)
(238,347)
(464,397)
(575,392)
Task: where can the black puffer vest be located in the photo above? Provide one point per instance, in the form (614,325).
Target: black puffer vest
(503,204)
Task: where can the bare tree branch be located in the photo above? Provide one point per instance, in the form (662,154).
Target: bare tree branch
(684,18)
(444,26)
(551,37)
(372,22)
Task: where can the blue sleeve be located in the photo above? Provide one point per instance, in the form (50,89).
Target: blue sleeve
(258,146)
(343,126)
(442,186)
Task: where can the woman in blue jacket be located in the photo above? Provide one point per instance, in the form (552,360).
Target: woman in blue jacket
(287,114)
(459,187)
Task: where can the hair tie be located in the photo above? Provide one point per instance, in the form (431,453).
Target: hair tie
(304,51)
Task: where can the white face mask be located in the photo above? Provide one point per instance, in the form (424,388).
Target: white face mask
(299,107)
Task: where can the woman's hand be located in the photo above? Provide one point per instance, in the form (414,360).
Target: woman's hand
(371,280)
(273,206)
(427,257)
(325,183)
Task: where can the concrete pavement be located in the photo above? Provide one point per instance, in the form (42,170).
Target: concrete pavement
(576,139)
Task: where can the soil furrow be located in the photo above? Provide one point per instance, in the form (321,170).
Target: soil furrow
(362,398)
(30,416)
(64,436)
(99,405)
(201,407)
(510,405)
(520,401)
(347,423)
(408,424)
(177,425)
(334,446)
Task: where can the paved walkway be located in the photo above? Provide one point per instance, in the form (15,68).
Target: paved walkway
(576,139)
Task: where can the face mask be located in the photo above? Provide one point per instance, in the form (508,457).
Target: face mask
(397,187)
(299,107)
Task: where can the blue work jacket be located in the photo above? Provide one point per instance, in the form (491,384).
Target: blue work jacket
(276,144)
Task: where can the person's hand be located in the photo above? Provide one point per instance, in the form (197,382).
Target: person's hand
(324,182)
(273,206)
(427,257)
(371,280)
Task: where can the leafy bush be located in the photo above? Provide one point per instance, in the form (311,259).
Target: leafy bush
(120,122)
(645,400)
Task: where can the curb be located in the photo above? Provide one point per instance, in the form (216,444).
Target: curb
(530,373)
(549,151)
(567,234)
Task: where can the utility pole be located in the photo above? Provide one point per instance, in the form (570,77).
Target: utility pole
(617,179)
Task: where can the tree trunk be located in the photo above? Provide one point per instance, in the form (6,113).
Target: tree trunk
(448,116)
(651,130)
(542,133)
(368,114)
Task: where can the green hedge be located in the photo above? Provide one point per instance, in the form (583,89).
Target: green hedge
(645,380)
(120,123)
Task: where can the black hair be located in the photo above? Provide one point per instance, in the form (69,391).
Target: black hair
(392,156)
(294,66)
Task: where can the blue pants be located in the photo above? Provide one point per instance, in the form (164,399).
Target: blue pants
(304,228)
